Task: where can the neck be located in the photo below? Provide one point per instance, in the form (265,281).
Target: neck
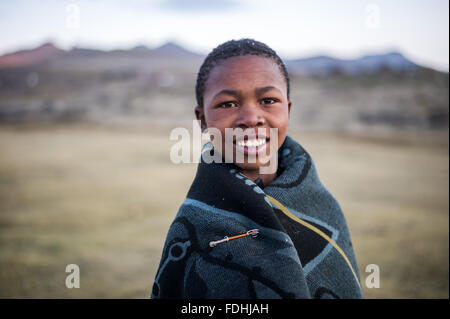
(254,174)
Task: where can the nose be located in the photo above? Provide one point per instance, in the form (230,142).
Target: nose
(250,116)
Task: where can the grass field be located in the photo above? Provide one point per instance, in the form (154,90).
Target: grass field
(103,198)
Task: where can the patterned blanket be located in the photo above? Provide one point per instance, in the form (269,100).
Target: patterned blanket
(234,239)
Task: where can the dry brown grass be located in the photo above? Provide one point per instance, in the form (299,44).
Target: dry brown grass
(103,198)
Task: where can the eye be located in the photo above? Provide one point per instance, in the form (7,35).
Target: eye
(226,105)
(269,100)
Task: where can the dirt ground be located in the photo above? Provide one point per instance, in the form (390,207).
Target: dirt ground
(103,198)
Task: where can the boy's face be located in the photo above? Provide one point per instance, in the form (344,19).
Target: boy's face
(246,92)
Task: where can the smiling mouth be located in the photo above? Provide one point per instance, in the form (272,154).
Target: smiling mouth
(252,145)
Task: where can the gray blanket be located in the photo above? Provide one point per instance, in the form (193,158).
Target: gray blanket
(234,239)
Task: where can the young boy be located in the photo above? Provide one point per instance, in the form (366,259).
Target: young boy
(241,233)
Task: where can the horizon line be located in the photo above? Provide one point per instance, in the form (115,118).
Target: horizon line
(54,42)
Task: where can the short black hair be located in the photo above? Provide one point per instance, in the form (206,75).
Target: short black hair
(230,49)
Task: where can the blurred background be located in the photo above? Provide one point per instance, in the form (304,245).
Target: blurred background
(90,90)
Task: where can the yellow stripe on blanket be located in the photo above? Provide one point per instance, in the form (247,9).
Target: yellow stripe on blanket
(314,229)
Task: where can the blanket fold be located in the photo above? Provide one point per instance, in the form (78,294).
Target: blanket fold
(302,249)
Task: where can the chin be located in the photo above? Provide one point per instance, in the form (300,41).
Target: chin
(249,166)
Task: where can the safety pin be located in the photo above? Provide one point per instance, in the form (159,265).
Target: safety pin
(252,232)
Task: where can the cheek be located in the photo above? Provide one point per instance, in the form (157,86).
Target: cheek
(281,121)
(214,119)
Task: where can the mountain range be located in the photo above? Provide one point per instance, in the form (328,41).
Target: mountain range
(317,65)
(156,85)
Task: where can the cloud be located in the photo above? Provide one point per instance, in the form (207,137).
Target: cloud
(198,5)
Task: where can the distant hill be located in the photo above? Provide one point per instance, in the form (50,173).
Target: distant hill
(156,85)
(324,65)
(318,65)
(173,49)
(37,55)
(49,53)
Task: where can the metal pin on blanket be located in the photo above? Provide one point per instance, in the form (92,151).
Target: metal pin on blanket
(252,232)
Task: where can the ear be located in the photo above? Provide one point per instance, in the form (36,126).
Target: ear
(200,115)
(289,109)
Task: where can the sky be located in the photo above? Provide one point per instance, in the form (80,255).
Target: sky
(419,29)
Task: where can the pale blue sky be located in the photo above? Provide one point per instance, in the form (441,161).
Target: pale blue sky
(345,29)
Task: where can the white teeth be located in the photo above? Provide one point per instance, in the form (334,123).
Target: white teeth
(252,143)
